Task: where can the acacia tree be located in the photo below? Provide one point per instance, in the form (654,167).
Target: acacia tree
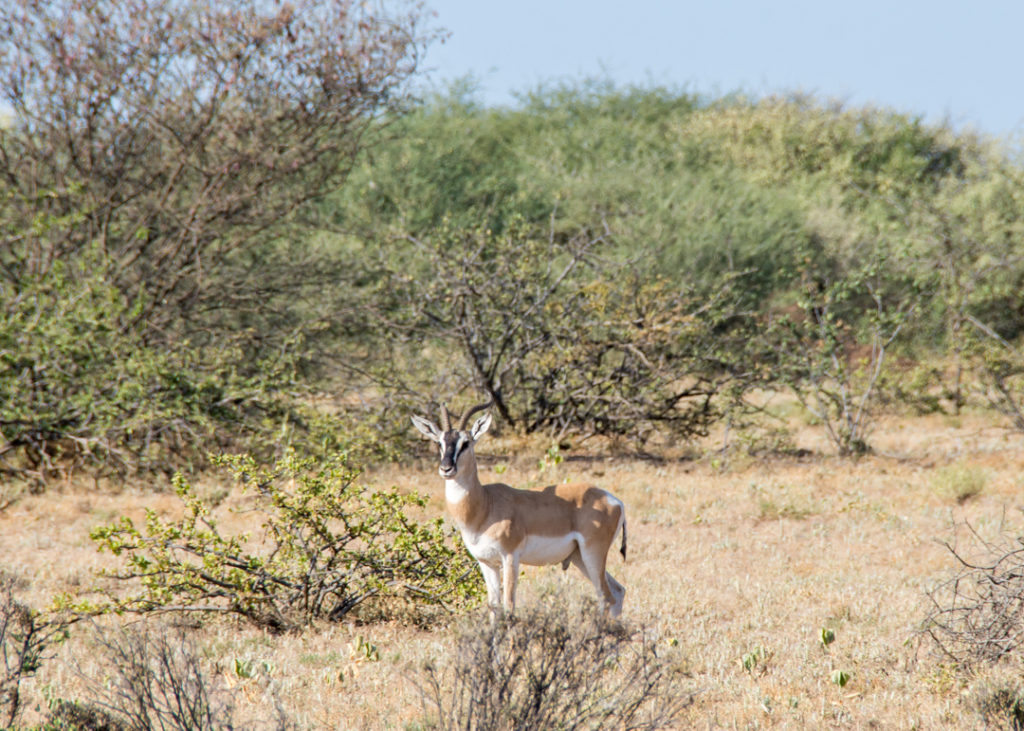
(560,337)
(178,134)
(487,297)
(831,348)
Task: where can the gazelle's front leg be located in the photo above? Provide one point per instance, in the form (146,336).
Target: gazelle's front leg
(492,578)
(510,575)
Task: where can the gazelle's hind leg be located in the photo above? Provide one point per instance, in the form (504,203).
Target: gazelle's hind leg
(609,591)
(620,593)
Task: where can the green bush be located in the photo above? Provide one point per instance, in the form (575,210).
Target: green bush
(80,385)
(157,281)
(329,547)
(959,482)
(834,348)
(998,367)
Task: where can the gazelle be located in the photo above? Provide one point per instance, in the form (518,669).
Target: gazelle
(504,527)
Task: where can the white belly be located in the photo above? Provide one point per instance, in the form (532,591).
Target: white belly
(544,550)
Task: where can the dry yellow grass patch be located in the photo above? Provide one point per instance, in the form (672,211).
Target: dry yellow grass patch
(737,570)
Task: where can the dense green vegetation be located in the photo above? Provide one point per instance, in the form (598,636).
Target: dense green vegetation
(622,260)
(630,262)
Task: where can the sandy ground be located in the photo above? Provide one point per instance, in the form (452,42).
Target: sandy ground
(750,557)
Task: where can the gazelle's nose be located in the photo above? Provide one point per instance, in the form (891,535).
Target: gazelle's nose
(446,471)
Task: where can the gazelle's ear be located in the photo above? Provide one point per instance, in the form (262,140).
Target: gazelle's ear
(427,428)
(480,427)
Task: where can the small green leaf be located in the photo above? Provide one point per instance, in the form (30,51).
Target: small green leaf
(751,659)
(245,668)
(827,636)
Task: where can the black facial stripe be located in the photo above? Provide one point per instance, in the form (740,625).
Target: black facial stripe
(453,444)
(449,447)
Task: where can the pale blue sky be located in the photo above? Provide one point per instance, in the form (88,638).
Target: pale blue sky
(941,60)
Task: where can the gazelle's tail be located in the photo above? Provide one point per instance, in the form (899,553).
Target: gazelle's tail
(622,548)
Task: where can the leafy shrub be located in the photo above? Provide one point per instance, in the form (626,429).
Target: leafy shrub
(784,139)
(80,385)
(832,351)
(67,715)
(330,547)
(154,295)
(636,357)
(553,667)
(999,367)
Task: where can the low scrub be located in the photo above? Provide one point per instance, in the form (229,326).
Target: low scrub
(553,666)
(977,615)
(560,346)
(997,698)
(959,482)
(27,639)
(152,677)
(329,547)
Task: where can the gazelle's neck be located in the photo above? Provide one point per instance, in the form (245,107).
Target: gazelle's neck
(463,492)
(465,484)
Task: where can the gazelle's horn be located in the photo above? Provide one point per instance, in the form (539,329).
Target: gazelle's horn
(465,417)
(446,420)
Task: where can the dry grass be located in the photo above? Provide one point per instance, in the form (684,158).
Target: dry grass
(753,561)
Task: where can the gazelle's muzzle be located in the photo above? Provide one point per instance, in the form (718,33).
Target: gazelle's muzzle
(448,471)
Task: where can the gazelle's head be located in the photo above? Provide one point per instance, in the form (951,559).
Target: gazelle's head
(456,444)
